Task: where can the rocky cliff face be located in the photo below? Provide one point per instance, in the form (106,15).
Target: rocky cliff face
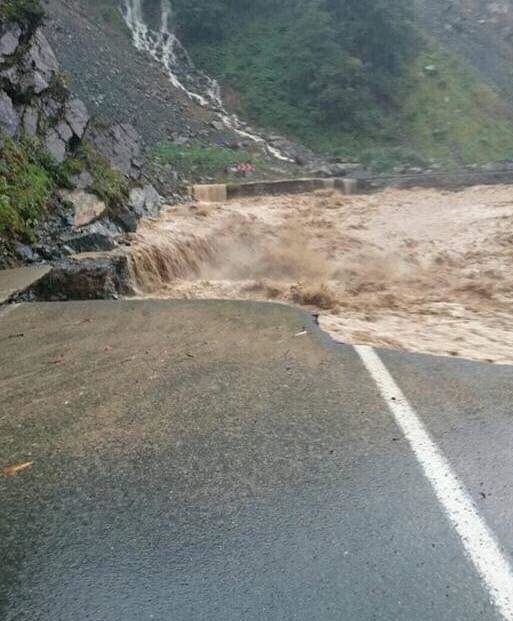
(90,172)
(34,102)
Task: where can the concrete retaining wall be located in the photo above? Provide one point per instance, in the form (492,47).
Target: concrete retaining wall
(282,186)
(221,193)
(449,180)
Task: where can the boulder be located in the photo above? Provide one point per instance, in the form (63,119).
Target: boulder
(87,207)
(30,122)
(91,242)
(94,237)
(40,65)
(145,201)
(127,220)
(83,181)
(119,143)
(25,252)
(35,71)
(50,107)
(84,279)
(321,171)
(338,170)
(77,117)
(55,145)
(9,41)
(64,130)
(9,119)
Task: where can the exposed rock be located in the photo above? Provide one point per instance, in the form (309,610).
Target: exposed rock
(64,130)
(119,143)
(9,120)
(30,122)
(35,102)
(321,171)
(127,220)
(55,145)
(92,242)
(87,207)
(76,116)
(351,167)
(338,170)
(83,181)
(9,41)
(50,107)
(84,279)
(145,202)
(40,65)
(94,238)
(25,253)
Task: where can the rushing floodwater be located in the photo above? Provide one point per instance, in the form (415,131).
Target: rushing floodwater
(421,270)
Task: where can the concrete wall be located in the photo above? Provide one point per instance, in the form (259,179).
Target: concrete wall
(221,193)
(283,186)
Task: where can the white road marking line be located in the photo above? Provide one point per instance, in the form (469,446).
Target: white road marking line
(479,542)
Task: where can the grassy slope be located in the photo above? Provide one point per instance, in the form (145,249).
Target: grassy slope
(453,116)
(448,115)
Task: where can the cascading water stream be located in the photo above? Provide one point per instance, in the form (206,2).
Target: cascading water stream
(166,49)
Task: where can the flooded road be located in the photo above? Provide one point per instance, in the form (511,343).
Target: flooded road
(419,270)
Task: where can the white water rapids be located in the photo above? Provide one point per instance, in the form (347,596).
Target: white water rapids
(166,49)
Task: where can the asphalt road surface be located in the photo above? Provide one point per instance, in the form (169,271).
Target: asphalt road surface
(183,461)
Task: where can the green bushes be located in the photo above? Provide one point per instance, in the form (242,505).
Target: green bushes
(108,184)
(29,13)
(196,160)
(27,182)
(306,67)
(384,159)
(29,177)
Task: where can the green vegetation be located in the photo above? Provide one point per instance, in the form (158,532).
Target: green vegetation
(351,78)
(28,178)
(452,116)
(108,184)
(326,71)
(198,161)
(30,13)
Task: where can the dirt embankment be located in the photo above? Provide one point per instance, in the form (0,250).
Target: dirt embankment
(420,270)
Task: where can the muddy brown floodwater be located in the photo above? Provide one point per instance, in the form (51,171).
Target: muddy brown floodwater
(421,270)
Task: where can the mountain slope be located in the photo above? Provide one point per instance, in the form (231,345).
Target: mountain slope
(368,80)
(124,74)
(479,32)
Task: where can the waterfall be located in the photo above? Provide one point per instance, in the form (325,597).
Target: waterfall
(163,45)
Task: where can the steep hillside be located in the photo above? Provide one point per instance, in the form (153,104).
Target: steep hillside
(481,32)
(323,71)
(68,183)
(375,80)
(386,82)
(124,63)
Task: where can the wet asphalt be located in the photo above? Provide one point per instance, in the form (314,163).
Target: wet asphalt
(227,461)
